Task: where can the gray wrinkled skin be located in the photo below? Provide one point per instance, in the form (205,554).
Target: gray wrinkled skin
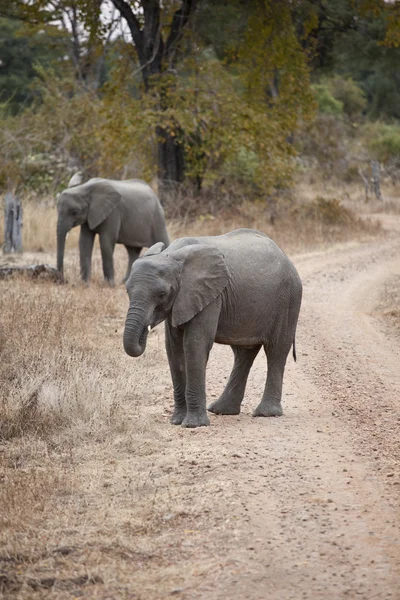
(121,212)
(238,289)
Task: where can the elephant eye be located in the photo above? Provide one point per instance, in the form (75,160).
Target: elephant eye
(162,295)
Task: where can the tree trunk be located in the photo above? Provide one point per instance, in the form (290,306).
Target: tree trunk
(12,225)
(365,182)
(376,179)
(170,158)
(156,56)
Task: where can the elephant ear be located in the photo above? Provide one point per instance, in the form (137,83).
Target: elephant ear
(154,249)
(204,276)
(103,198)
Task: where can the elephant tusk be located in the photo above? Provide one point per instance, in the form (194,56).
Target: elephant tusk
(149,328)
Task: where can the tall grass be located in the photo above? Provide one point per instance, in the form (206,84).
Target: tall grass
(294,223)
(53,373)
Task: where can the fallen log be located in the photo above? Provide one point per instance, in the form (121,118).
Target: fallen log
(35,271)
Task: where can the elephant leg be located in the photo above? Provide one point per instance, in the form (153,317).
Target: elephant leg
(133,254)
(199,336)
(270,405)
(176,359)
(86,240)
(107,245)
(231,399)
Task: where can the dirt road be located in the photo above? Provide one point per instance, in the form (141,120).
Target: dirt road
(303,506)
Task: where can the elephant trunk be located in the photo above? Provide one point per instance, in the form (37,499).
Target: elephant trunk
(61,237)
(135,332)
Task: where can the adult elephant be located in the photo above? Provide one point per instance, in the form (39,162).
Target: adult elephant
(238,289)
(121,212)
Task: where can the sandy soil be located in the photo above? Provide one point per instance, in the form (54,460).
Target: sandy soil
(302,506)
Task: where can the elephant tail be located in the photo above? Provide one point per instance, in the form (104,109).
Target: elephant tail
(294,350)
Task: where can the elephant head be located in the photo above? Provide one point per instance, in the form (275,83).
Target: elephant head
(89,203)
(177,283)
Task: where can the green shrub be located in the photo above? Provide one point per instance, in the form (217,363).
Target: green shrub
(386,145)
(327,104)
(242,167)
(349,94)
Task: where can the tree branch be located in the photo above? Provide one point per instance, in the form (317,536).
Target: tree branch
(179,22)
(133,24)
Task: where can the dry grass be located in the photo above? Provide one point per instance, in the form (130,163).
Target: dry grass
(50,375)
(293,228)
(297,227)
(71,421)
(39,227)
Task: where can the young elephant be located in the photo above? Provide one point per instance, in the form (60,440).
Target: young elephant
(238,289)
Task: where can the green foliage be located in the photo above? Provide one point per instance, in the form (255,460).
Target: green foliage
(351,39)
(273,65)
(352,97)
(242,167)
(232,92)
(222,118)
(71,128)
(214,122)
(21,49)
(327,104)
(339,95)
(383,141)
(221,26)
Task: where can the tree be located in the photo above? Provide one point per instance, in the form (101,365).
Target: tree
(204,89)
(21,51)
(157,35)
(358,39)
(205,108)
(86,38)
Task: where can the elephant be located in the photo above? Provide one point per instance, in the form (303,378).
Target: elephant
(123,212)
(238,289)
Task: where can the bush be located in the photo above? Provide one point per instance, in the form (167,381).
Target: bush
(386,143)
(243,167)
(340,95)
(349,94)
(327,104)
(326,140)
(329,211)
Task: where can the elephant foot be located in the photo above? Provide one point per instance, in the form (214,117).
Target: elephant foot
(178,416)
(270,409)
(223,406)
(195,420)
